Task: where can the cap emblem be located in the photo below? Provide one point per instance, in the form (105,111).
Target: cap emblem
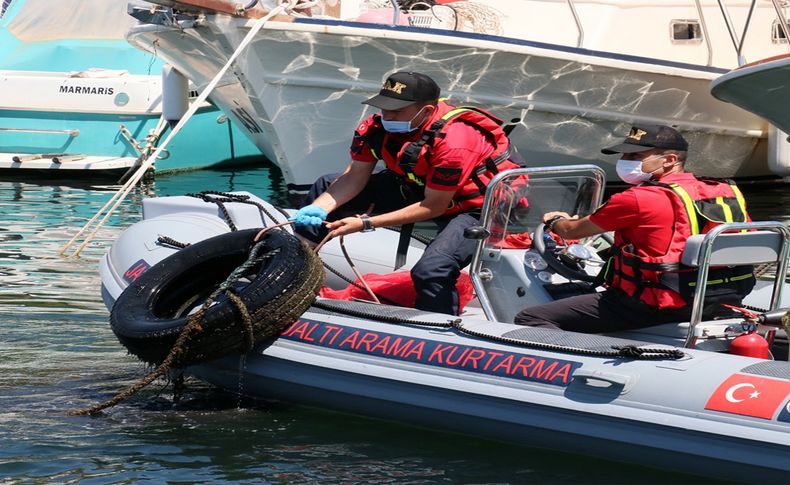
(396,87)
(637,134)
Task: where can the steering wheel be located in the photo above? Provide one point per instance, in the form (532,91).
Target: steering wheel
(565,263)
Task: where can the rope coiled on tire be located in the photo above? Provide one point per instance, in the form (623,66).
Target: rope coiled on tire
(267,321)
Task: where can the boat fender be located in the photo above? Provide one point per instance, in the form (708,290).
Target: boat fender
(751,344)
(151,312)
(175,94)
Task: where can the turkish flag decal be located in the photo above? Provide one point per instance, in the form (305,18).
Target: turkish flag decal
(749,395)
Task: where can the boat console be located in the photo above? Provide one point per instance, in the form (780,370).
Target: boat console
(518,264)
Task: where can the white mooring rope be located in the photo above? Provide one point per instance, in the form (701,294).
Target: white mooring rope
(120,195)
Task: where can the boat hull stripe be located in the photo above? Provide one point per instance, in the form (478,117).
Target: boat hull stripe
(481,360)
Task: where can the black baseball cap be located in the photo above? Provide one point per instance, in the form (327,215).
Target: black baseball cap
(643,138)
(404,88)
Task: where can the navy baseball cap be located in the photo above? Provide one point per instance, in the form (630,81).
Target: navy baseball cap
(643,138)
(403,89)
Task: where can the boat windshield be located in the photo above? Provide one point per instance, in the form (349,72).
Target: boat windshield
(517,200)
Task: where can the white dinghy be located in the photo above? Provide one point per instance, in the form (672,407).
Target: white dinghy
(670,396)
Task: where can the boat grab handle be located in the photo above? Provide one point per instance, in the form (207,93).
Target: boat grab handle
(72,133)
(595,378)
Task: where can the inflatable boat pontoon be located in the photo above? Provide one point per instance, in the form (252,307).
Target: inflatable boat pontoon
(670,396)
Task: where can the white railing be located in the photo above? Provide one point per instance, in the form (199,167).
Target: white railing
(738,39)
(71,132)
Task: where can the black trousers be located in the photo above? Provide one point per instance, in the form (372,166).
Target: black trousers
(607,311)
(436,272)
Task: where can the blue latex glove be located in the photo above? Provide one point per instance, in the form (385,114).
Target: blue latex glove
(310,215)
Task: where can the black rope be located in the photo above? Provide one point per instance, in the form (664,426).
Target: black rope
(206,196)
(221,198)
(626,351)
(169,241)
(642,353)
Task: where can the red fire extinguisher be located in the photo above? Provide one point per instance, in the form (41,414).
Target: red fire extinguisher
(750,344)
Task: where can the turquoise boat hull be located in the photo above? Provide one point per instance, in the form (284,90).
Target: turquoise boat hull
(42,116)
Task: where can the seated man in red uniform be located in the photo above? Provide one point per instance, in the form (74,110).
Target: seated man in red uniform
(646,285)
(439,160)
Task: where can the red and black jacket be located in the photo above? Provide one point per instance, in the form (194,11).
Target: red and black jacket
(698,206)
(413,159)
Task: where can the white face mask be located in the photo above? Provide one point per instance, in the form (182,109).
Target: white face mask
(630,171)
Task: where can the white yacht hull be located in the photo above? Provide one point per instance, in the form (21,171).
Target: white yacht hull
(297,89)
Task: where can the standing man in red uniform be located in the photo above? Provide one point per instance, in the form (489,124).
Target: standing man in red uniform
(439,160)
(646,285)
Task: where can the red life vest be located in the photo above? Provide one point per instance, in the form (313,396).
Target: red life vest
(412,159)
(698,207)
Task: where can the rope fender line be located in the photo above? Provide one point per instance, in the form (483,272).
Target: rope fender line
(220,198)
(627,351)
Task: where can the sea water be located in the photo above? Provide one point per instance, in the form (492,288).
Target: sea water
(57,354)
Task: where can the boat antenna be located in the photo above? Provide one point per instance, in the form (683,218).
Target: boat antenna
(112,204)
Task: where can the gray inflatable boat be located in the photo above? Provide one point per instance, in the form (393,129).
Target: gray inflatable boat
(670,396)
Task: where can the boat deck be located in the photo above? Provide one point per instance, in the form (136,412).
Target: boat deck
(23,163)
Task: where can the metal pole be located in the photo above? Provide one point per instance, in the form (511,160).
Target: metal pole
(395,12)
(705,32)
(741,59)
(730,28)
(579,28)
